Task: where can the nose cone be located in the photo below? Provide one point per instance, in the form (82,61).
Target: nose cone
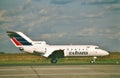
(106,53)
(103,52)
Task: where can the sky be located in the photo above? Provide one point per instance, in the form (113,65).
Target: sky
(76,22)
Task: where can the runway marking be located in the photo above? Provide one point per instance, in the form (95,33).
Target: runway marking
(43,69)
(60,71)
(59,68)
(73,74)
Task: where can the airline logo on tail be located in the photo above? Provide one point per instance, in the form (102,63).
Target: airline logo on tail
(19,39)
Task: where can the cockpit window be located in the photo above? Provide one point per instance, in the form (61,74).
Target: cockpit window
(97,48)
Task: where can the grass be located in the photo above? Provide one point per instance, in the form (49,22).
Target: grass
(26,59)
(21,59)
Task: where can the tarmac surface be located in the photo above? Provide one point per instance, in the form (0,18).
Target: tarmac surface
(61,71)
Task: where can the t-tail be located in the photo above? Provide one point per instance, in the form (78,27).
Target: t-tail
(19,39)
(54,51)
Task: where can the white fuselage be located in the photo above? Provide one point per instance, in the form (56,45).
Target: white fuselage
(80,50)
(69,50)
(24,43)
(40,47)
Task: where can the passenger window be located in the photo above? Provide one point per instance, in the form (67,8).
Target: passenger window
(96,47)
(88,47)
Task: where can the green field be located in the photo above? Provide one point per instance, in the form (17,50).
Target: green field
(26,59)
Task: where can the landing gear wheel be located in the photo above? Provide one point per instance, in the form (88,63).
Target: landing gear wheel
(93,60)
(53,61)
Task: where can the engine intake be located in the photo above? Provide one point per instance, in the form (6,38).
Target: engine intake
(21,49)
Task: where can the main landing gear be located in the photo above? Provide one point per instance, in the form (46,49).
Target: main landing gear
(54,60)
(93,60)
(56,55)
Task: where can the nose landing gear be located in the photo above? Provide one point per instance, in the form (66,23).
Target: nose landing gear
(93,60)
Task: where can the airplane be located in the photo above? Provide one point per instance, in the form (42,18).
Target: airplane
(54,52)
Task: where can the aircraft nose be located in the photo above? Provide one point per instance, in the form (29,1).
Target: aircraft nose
(106,53)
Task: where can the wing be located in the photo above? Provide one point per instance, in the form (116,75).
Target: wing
(54,53)
(49,52)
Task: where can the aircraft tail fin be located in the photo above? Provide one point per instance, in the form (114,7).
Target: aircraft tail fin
(19,39)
